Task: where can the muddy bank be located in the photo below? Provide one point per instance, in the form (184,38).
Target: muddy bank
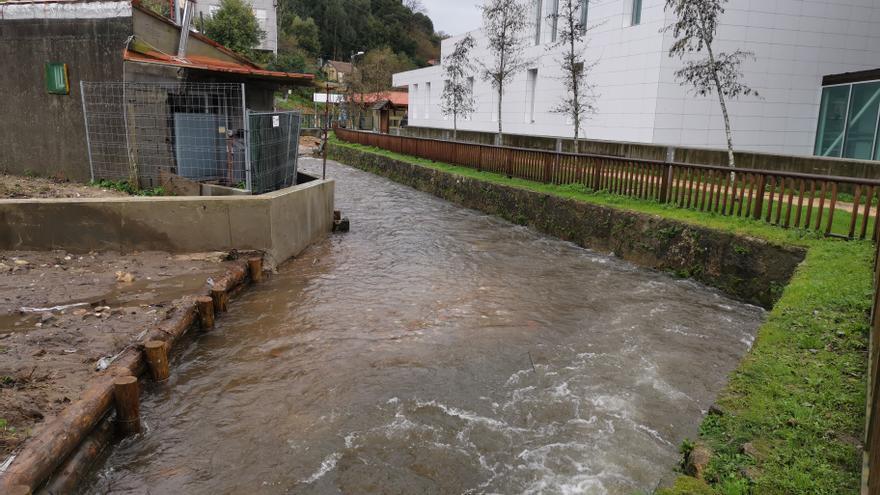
(18,187)
(749,269)
(61,314)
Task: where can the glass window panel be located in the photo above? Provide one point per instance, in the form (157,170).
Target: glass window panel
(832,119)
(538,14)
(862,123)
(585,9)
(637,12)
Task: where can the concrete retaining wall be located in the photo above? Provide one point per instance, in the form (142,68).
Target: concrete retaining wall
(763,161)
(281,223)
(747,269)
(40,132)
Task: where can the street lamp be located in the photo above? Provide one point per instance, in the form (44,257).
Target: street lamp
(353,55)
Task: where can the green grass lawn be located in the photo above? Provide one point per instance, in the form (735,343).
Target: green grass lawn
(798,397)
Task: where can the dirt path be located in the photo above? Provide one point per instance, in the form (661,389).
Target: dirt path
(17,186)
(63,315)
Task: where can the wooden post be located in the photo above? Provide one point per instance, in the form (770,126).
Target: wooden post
(255,267)
(157,359)
(220,298)
(759,197)
(126,394)
(205,305)
(665,182)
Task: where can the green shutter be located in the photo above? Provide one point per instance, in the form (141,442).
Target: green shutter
(56,79)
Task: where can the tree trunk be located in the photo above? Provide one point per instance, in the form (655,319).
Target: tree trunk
(455,127)
(730,158)
(500,133)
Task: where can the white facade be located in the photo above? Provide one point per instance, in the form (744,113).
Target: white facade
(796,43)
(264,11)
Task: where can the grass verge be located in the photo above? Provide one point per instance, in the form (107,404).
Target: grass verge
(791,418)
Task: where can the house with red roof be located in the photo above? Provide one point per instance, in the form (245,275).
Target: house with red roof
(383,111)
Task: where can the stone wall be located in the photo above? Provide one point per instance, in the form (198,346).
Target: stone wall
(748,269)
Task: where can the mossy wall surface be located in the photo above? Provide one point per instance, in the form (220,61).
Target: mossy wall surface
(748,269)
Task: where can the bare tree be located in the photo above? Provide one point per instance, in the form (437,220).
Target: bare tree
(694,30)
(503,23)
(415,6)
(458,94)
(579,101)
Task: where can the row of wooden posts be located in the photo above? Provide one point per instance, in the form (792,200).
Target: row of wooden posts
(126,388)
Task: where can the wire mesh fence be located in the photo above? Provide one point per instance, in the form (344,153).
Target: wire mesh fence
(143,133)
(274,144)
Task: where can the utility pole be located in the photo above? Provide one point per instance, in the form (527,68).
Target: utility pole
(326,125)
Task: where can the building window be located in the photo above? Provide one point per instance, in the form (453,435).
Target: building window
(849,118)
(414,105)
(427,99)
(585,8)
(636,13)
(262,17)
(470,85)
(538,11)
(555,13)
(531,83)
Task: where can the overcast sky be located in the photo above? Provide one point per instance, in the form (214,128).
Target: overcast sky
(453,16)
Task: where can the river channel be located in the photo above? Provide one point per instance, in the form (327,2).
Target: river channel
(435,349)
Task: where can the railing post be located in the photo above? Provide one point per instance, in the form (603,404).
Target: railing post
(759,197)
(547,163)
(597,175)
(665,181)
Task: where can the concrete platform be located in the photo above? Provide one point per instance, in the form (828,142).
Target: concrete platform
(281,223)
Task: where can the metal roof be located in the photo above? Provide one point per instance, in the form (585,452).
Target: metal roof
(200,63)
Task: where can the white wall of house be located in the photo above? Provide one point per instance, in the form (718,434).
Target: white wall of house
(795,42)
(264,11)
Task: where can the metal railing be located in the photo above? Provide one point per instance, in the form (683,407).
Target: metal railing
(785,199)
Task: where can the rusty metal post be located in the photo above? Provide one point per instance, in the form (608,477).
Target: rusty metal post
(326,126)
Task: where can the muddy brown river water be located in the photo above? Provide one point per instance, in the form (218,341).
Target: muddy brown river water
(434,349)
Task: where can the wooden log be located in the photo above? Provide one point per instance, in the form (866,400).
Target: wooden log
(220,298)
(71,473)
(156,353)
(255,268)
(126,396)
(205,305)
(54,440)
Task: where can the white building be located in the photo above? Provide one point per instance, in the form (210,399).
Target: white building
(796,44)
(264,11)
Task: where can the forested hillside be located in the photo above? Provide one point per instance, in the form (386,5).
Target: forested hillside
(346,26)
